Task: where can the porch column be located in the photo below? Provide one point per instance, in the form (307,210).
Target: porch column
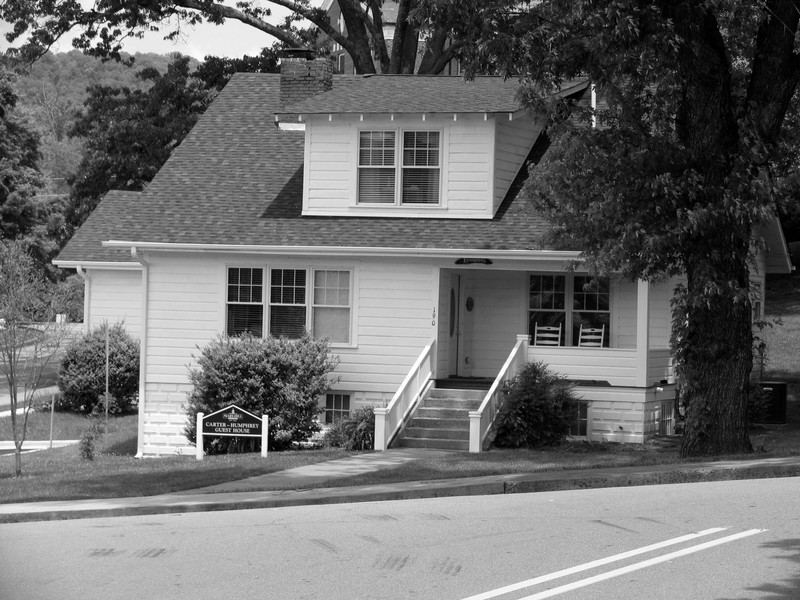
(642,331)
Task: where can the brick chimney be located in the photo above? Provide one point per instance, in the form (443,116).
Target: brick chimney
(303,75)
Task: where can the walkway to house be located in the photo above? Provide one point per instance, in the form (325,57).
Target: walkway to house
(300,477)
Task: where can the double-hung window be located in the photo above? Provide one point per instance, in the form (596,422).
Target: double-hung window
(402,169)
(569,301)
(297,301)
(245,301)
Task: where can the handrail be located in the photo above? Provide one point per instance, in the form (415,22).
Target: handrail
(391,419)
(480,421)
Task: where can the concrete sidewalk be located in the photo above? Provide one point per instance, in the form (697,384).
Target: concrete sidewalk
(201,500)
(5,398)
(303,477)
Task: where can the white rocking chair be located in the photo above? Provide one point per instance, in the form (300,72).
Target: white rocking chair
(591,337)
(545,335)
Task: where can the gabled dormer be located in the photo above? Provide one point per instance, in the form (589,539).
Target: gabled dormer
(407,145)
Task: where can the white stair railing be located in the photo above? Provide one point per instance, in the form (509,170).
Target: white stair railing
(391,419)
(480,421)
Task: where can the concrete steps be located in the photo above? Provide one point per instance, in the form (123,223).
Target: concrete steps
(442,420)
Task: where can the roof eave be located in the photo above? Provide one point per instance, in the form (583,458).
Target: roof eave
(97,264)
(525,254)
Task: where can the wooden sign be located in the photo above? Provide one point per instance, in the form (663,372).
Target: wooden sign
(231,421)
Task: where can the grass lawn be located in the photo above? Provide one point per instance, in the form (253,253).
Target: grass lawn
(783,337)
(61,474)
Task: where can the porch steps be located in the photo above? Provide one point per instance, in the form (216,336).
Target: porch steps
(442,420)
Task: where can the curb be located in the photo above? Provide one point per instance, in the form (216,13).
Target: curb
(442,488)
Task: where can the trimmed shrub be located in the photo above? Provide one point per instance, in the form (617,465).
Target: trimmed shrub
(539,408)
(356,432)
(278,377)
(82,376)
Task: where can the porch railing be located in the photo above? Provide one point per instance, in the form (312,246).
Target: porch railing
(481,420)
(390,420)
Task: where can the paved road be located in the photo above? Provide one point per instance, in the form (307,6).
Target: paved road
(744,544)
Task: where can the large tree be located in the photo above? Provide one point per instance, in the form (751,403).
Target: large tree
(678,176)
(103,26)
(130,133)
(26,215)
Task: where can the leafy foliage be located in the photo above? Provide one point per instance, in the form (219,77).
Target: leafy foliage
(678,174)
(278,377)
(25,215)
(215,72)
(354,432)
(539,409)
(130,133)
(101,32)
(82,376)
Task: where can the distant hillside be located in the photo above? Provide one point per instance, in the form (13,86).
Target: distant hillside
(65,76)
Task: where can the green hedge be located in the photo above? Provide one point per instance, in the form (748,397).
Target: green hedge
(539,409)
(279,377)
(82,375)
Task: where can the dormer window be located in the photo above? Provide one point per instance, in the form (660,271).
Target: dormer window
(414,181)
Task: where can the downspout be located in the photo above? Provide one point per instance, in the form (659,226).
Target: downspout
(142,352)
(87,291)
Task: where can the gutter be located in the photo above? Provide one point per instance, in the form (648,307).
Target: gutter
(527,254)
(87,289)
(145,266)
(82,265)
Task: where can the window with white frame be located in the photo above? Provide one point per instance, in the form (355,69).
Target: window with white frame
(287,303)
(245,301)
(570,301)
(337,407)
(331,305)
(293,306)
(404,169)
(579,426)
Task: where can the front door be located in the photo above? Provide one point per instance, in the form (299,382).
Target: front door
(455,346)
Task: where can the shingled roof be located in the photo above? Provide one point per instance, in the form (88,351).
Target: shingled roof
(413,94)
(237,180)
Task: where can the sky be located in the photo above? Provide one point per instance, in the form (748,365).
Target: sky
(233,39)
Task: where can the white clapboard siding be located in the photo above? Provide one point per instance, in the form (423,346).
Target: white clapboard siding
(330,170)
(514,140)
(469,166)
(623,317)
(115,296)
(395,322)
(660,366)
(331,181)
(624,414)
(617,366)
(660,323)
(184,310)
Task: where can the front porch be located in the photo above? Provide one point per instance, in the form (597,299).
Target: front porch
(617,409)
(627,382)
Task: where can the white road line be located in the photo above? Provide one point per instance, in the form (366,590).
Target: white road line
(641,565)
(594,564)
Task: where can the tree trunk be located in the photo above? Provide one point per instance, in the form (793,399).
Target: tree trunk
(714,338)
(716,355)
(357,35)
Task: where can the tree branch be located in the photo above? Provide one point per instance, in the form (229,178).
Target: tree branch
(229,12)
(776,68)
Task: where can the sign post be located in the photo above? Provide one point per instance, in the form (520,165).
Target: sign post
(231,421)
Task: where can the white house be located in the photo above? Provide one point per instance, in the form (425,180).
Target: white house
(381,212)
